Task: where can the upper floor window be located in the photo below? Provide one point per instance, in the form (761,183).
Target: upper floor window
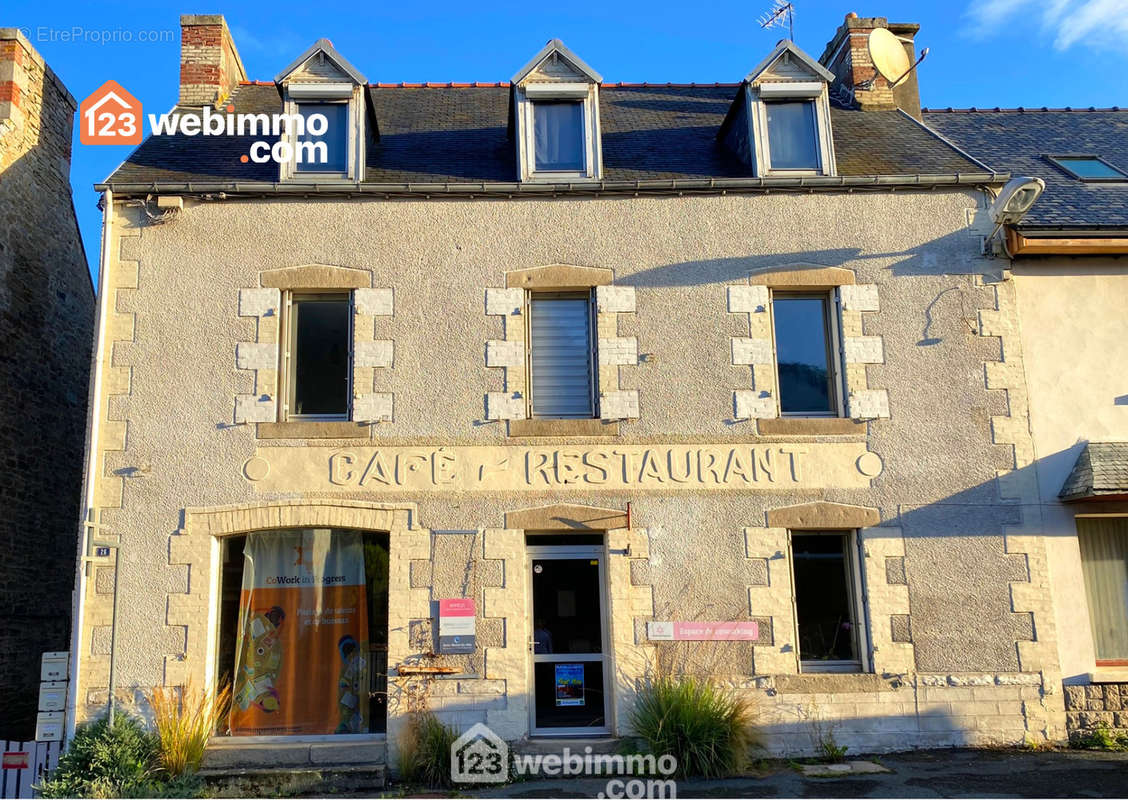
(555,112)
(326,98)
(558,135)
(806,355)
(793,135)
(779,121)
(325,135)
(318,356)
(561,355)
(1089,168)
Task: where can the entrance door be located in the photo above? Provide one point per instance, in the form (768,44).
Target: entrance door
(569,642)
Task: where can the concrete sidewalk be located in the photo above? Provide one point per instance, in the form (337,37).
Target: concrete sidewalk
(931,773)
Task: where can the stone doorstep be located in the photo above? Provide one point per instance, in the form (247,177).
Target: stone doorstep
(233,756)
(839,770)
(288,781)
(547,745)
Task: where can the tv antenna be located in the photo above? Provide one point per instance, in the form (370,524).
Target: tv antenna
(774,18)
(889,57)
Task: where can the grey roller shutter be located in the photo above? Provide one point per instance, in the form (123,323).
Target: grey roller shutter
(561,356)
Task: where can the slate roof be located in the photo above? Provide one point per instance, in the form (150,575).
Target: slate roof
(1101,469)
(1016,141)
(454,133)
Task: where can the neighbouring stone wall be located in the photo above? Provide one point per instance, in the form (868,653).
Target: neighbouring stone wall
(1097,705)
(46,323)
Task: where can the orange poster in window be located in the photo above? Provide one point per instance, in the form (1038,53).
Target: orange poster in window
(301,660)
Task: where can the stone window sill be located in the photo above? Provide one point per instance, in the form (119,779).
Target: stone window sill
(563,427)
(831,682)
(811,426)
(314,430)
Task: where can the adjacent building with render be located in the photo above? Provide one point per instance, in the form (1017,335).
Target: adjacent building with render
(646,378)
(1068,265)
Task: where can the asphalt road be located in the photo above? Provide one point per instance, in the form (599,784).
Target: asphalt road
(931,773)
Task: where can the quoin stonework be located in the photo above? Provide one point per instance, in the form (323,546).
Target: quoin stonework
(580,356)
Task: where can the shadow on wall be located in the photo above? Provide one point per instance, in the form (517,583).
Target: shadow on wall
(791,725)
(922,260)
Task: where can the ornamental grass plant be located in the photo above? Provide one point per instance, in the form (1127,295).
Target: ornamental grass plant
(709,729)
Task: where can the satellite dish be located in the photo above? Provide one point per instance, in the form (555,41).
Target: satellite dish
(888,55)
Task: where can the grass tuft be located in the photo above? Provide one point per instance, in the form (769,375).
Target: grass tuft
(708,729)
(185,719)
(424,751)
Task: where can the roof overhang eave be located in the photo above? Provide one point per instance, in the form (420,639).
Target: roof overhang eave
(461,189)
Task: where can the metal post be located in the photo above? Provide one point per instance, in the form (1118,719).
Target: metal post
(113,634)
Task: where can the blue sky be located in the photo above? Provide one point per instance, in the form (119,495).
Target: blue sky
(987,53)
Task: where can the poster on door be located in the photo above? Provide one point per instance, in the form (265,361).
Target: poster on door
(301,658)
(569,684)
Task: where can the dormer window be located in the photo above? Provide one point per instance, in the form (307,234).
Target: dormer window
(779,123)
(325,124)
(793,135)
(324,96)
(558,135)
(555,108)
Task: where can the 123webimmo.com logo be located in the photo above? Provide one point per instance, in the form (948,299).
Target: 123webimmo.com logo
(111,115)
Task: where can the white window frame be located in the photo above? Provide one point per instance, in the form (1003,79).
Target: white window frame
(541,552)
(304,93)
(593,352)
(285,373)
(527,97)
(815,92)
(835,355)
(856,596)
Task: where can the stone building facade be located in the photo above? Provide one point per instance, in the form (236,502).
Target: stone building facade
(1067,259)
(687,491)
(46,321)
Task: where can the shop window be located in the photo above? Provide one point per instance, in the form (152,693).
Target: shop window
(1104,563)
(318,356)
(303,632)
(561,355)
(806,360)
(828,605)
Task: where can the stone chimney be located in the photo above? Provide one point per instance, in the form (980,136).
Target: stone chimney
(847,56)
(36,112)
(210,67)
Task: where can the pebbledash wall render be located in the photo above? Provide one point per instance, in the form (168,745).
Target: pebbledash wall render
(962,640)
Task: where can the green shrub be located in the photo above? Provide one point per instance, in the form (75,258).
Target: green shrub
(709,730)
(1102,738)
(118,760)
(424,751)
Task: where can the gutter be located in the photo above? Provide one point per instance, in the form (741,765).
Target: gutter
(512,190)
(90,460)
(1018,244)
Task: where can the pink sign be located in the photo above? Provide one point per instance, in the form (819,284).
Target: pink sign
(702,631)
(457,607)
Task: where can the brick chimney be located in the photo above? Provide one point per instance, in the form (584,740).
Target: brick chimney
(210,67)
(847,56)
